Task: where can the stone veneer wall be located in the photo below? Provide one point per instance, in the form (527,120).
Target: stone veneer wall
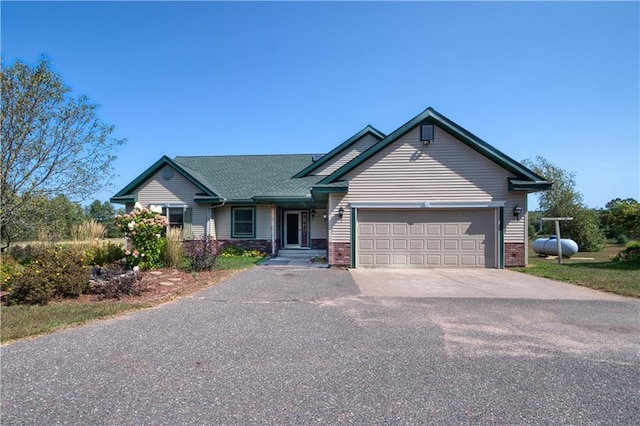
(340,254)
(514,254)
(318,244)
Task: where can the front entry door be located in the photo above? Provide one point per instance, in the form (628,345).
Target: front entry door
(292,229)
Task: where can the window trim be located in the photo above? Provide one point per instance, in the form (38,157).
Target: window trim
(253,223)
(166,212)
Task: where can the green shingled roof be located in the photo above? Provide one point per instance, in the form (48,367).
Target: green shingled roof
(243,177)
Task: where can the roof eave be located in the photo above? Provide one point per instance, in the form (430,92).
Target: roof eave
(430,116)
(124,199)
(144,176)
(529,186)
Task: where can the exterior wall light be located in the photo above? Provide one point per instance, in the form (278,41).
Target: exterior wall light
(341,212)
(324,215)
(517,211)
(313,214)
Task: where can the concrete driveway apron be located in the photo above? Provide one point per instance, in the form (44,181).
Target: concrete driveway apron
(470,283)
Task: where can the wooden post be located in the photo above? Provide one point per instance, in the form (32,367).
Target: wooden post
(557,221)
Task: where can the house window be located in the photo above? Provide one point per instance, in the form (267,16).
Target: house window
(243,222)
(174,215)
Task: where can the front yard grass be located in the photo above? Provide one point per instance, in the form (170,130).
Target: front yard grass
(31,320)
(237,262)
(594,270)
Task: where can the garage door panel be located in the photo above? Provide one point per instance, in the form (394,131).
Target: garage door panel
(416,244)
(416,229)
(450,245)
(365,229)
(400,259)
(400,245)
(400,229)
(366,244)
(382,244)
(426,238)
(382,229)
(472,245)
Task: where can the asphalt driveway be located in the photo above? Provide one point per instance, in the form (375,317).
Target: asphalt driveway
(301,346)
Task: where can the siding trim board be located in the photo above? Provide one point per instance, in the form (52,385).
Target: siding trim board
(431,204)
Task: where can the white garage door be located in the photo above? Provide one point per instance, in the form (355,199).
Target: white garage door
(426,238)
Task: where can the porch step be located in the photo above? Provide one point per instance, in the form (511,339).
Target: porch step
(301,253)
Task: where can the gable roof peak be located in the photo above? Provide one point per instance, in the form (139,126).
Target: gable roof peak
(368,129)
(430,115)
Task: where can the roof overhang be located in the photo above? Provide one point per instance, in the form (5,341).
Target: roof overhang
(430,116)
(124,199)
(527,185)
(128,190)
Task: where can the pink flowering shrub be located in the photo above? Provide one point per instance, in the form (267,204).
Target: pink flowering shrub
(144,229)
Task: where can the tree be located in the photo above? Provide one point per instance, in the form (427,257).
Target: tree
(52,143)
(622,218)
(104,213)
(564,200)
(49,219)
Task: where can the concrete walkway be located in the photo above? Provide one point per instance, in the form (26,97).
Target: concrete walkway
(470,283)
(292,261)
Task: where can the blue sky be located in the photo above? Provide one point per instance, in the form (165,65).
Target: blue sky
(555,79)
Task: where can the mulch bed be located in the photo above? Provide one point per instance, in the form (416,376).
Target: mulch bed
(164,285)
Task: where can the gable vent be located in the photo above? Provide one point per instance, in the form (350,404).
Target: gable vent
(426,133)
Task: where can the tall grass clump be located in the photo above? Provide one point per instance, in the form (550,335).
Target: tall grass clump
(88,230)
(174,252)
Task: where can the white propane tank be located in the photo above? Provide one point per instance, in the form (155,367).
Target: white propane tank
(550,246)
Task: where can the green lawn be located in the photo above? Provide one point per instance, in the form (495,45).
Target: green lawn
(595,270)
(238,262)
(25,320)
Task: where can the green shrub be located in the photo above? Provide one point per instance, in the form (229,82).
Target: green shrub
(253,253)
(229,251)
(32,287)
(631,253)
(24,254)
(200,255)
(622,239)
(143,228)
(9,270)
(102,254)
(51,272)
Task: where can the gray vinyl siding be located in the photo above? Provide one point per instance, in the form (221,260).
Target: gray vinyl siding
(340,229)
(318,225)
(347,155)
(176,191)
(222,222)
(445,170)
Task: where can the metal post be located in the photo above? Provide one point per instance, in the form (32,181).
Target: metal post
(559,242)
(557,221)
